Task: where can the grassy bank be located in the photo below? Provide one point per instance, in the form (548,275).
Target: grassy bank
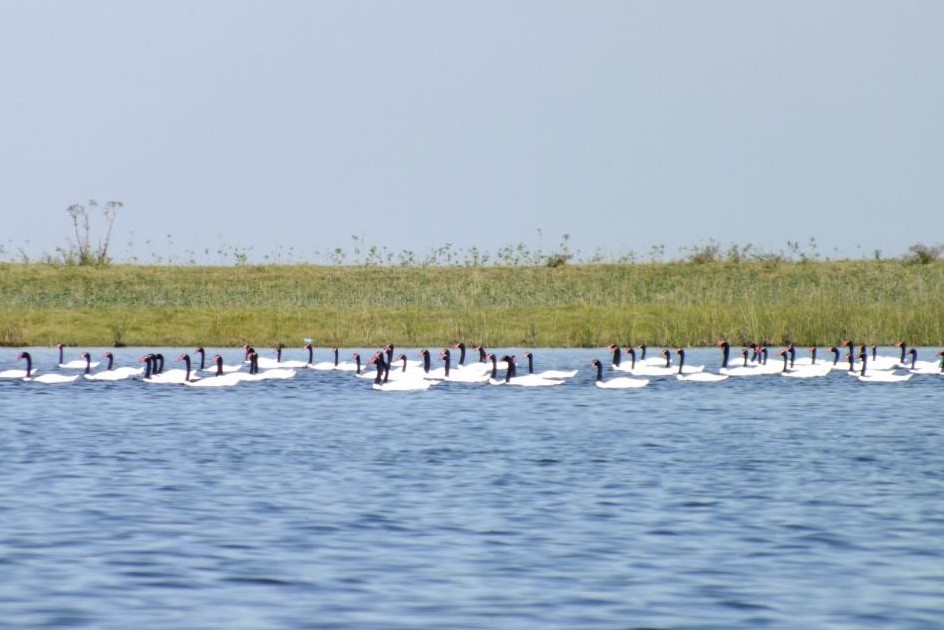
(573,305)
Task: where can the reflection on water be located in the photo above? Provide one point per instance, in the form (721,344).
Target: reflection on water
(318,502)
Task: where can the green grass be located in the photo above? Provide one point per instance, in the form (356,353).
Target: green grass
(573,305)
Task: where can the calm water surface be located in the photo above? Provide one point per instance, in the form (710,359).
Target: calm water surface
(320,503)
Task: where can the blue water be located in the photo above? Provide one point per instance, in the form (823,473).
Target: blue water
(319,503)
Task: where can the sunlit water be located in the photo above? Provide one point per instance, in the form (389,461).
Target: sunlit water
(320,503)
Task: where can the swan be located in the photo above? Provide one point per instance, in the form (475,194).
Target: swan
(220,377)
(43,378)
(468,374)
(924,367)
(474,372)
(653,361)
(16,373)
(289,363)
(78,364)
(110,373)
(526,380)
(696,377)
(881,376)
(553,374)
(620,382)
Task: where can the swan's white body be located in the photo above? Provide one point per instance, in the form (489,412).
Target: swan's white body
(879,376)
(15,373)
(227,379)
(115,374)
(701,377)
(271,374)
(78,364)
(809,370)
(53,379)
(171,377)
(883,376)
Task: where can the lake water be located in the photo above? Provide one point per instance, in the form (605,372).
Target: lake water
(318,502)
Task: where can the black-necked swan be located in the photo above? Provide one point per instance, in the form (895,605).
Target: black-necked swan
(552,374)
(880,376)
(43,378)
(695,377)
(620,382)
(922,367)
(111,373)
(78,364)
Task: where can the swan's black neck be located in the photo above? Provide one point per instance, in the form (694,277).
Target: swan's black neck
(903,350)
(744,354)
(158,363)
(668,358)
(725,353)
(426,361)
(278,353)
(461,347)
(792,350)
(29,363)
(446,358)
(642,352)
(813,355)
(494,367)
(681,354)
(219,365)
(311,353)
(617,355)
(147,365)
(357,362)
(483,357)
(336,357)
(59,346)
(530,363)
(632,357)
(88,363)
(599,370)
(187,364)
(111,360)
(862,356)
(254,362)
(202,354)
(914,358)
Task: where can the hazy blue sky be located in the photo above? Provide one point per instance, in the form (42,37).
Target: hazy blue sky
(297,124)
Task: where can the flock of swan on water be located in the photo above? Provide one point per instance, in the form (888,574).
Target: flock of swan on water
(632,367)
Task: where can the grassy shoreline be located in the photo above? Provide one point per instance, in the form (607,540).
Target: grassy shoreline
(677,303)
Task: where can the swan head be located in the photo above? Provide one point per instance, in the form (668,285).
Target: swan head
(199,350)
(183,357)
(108,355)
(86,356)
(23,355)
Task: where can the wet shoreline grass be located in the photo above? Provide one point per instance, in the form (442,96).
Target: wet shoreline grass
(677,303)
